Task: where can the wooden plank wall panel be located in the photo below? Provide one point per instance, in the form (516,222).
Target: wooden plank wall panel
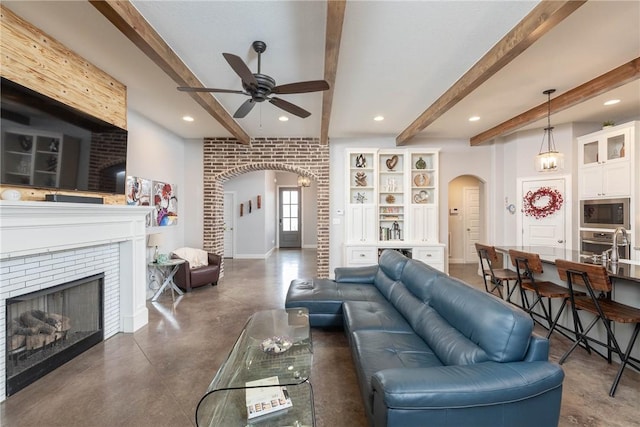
(33,59)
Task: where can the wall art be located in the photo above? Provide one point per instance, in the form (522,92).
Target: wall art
(138,191)
(165,200)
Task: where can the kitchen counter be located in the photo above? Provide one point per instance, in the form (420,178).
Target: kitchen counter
(548,255)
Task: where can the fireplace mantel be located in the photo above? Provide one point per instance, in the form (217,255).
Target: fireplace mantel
(29,228)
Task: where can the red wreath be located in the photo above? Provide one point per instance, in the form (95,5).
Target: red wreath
(553,202)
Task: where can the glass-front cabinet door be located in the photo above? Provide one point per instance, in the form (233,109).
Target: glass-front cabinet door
(604,147)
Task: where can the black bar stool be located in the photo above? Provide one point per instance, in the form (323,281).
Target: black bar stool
(599,303)
(494,278)
(527,265)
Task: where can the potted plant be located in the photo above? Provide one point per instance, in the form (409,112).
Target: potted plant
(607,124)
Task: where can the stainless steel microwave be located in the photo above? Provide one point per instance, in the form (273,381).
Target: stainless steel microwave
(605,213)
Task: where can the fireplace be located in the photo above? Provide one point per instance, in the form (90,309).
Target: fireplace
(47,328)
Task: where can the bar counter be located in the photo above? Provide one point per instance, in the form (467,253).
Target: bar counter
(549,255)
(625,279)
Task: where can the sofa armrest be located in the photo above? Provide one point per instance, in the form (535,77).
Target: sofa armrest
(458,386)
(360,275)
(183,276)
(214,259)
(538,350)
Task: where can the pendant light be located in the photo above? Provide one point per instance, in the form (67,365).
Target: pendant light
(304,181)
(550,160)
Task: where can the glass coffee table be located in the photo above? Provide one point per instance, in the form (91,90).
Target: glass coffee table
(275,348)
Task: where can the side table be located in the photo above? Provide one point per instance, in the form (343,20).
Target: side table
(167,269)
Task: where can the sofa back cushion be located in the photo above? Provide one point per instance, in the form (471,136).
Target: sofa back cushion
(391,264)
(465,325)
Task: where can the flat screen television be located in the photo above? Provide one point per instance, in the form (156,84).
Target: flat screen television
(47,144)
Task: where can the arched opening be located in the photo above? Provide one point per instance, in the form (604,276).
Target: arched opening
(267,210)
(467,218)
(224,159)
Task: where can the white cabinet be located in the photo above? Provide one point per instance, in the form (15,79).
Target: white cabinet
(424,223)
(604,163)
(361,255)
(430,255)
(392,202)
(361,223)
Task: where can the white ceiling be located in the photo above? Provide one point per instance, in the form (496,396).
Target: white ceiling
(396,59)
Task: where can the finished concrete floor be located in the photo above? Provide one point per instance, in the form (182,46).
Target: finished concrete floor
(156,376)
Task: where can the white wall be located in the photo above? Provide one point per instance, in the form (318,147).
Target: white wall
(157,154)
(193,194)
(254,231)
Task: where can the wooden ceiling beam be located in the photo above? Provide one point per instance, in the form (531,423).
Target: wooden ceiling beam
(546,15)
(335,19)
(617,77)
(132,24)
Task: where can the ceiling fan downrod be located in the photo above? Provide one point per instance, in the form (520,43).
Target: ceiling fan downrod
(259,47)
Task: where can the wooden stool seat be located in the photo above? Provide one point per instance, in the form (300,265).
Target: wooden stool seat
(496,276)
(598,302)
(527,266)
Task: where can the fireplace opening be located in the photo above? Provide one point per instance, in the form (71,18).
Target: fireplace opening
(47,328)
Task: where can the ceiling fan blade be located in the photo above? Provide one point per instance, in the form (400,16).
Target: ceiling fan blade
(301,87)
(289,107)
(244,109)
(208,89)
(241,69)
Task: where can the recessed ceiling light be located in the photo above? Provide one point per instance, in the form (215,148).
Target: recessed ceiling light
(378,118)
(474,118)
(612,102)
(187,118)
(283,118)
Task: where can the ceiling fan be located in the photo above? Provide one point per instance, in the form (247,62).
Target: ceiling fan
(260,87)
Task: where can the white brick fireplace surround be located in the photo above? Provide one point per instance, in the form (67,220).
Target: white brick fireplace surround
(44,244)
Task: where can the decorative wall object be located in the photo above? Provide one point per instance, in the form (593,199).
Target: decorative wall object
(138,191)
(392,162)
(543,202)
(361,179)
(259,201)
(361,162)
(166,202)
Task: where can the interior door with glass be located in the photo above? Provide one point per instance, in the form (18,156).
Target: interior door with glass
(290,221)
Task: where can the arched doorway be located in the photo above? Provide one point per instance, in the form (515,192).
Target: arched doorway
(466,219)
(224,158)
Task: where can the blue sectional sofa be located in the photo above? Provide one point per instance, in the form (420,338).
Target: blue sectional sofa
(430,350)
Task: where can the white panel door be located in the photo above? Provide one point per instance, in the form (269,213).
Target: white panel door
(471,210)
(229,224)
(549,231)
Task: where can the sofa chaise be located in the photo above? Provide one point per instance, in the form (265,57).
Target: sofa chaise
(430,350)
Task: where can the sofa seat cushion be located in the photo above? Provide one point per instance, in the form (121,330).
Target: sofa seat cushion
(323,298)
(374,351)
(373,315)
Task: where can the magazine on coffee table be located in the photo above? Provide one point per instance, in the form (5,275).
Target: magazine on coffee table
(266,400)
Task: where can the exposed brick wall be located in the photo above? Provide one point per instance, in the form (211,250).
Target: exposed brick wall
(225,158)
(106,151)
